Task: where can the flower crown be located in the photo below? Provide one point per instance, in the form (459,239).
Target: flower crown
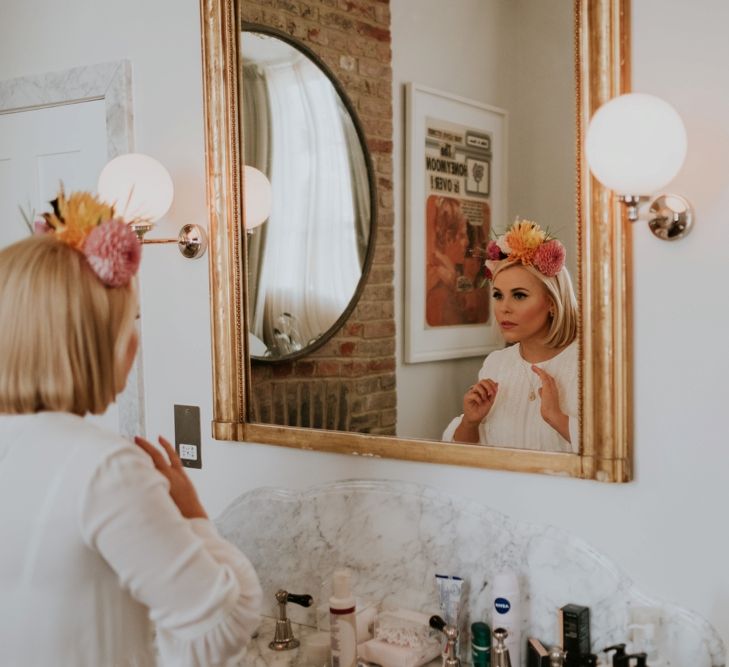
(525,242)
(87,224)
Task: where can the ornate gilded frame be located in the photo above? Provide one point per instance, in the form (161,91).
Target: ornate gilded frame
(603,71)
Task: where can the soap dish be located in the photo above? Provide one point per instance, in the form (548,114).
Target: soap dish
(405,628)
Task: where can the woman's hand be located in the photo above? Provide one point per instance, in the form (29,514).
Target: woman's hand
(477,404)
(550,409)
(181,489)
(478,401)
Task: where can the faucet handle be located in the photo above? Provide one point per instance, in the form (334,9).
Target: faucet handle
(302,600)
(437,623)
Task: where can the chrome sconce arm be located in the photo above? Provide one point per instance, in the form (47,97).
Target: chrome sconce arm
(670,217)
(192,241)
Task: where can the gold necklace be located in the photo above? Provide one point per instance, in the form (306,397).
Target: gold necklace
(532,390)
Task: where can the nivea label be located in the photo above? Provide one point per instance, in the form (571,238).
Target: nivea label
(502,605)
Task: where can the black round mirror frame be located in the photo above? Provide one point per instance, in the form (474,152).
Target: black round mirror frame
(369,255)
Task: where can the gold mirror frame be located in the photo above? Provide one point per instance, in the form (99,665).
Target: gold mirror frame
(604,275)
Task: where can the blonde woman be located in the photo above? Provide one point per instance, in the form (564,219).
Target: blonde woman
(101,538)
(526,394)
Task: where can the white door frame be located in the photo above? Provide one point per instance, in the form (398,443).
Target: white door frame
(112,83)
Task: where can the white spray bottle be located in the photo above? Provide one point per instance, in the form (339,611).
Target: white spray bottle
(342,621)
(506,612)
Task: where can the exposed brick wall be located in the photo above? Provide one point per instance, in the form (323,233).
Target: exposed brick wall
(349,383)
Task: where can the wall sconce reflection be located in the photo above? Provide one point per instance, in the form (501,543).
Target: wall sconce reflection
(635,145)
(141,189)
(258,198)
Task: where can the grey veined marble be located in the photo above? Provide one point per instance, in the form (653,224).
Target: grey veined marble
(395,536)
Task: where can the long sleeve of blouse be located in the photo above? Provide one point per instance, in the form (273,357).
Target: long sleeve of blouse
(202,593)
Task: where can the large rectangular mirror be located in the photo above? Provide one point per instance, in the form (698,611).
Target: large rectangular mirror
(318,372)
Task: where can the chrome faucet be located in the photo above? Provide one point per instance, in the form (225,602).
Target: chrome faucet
(283,638)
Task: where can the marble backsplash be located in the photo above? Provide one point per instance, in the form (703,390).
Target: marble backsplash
(395,536)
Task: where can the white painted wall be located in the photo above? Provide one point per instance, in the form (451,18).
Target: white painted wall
(539,60)
(471,66)
(667,527)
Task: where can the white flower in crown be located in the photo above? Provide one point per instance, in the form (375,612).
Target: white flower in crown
(503,244)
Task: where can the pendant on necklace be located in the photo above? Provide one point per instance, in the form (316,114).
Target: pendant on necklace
(532,395)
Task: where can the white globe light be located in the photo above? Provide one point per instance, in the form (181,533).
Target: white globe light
(635,144)
(137,186)
(258,197)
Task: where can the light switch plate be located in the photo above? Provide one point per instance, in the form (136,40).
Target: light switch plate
(187,435)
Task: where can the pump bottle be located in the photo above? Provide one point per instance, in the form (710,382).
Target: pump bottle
(342,621)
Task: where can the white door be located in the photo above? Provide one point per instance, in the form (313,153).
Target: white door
(39,150)
(42,148)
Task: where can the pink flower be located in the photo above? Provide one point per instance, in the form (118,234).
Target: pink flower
(113,252)
(549,257)
(492,250)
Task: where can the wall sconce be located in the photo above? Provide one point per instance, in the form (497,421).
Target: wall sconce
(141,189)
(258,198)
(635,145)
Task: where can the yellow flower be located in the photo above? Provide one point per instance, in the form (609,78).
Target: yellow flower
(524,238)
(76,215)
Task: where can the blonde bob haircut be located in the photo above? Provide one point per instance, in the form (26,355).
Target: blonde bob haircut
(64,335)
(563,327)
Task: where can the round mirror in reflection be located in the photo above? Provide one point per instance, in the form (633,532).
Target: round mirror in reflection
(307,261)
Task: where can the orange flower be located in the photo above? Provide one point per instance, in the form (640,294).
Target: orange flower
(75,216)
(524,238)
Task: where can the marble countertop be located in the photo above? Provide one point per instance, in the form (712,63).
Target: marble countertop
(258,654)
(395,536)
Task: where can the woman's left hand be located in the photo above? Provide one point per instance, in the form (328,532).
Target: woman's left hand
(550,409)
(182,489)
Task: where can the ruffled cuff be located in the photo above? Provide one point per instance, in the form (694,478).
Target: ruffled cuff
(223,640)
(450,431)
(574,429)
(222,646)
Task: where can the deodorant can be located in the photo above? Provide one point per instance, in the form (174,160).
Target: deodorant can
(506,611)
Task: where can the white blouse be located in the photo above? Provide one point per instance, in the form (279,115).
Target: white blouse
(93,549)
(516,421)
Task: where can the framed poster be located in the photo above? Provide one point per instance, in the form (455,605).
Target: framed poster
(455,194)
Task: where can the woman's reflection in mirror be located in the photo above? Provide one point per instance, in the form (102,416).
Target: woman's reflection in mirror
(526,394)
